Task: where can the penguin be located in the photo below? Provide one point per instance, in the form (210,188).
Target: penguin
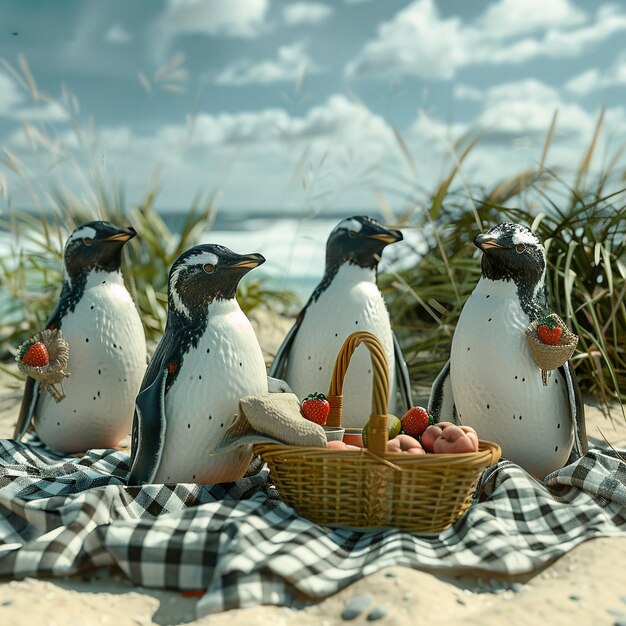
(207,360)
(107,348)
(491,381)
(345,301)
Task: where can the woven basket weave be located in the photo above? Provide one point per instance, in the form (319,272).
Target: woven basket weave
(368,488)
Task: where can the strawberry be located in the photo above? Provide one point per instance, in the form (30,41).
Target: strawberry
(548,331)
(416,420)
(36,355)
(315,408)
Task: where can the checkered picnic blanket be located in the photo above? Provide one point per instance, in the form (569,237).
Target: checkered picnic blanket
(244,547)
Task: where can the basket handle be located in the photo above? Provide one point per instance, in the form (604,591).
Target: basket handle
(377,443)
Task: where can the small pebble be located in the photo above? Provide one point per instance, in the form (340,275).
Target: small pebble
(623,599)
(356,606)
(616,613)
(378,613)
(517,587)
(407,596)
(574,596)
(461,601)
(390,575)
(8,602)
(620,622)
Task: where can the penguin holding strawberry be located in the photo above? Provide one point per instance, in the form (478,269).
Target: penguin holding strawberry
(107,348)
(491,381)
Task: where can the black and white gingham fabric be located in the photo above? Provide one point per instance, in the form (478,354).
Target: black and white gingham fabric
(244,547)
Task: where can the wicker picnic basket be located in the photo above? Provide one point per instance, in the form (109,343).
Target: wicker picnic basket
(368,488)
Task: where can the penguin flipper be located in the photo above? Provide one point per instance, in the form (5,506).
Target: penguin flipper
(27,409)
(441,402)
(279,364)
(577,410)
(402,374)
(148,437)
(150,420)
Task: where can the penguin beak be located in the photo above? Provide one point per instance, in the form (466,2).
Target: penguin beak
(486,242)
(249,261)
(387,236)
(124,235)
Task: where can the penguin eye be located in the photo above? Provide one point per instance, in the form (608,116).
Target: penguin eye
(209,268)
(520,247)
(87,241)
(352,233)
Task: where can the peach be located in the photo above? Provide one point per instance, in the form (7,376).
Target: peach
(340,445)
(404,443)
(453,440)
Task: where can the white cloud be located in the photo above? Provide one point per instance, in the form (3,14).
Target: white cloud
(593,80)
(525,109)
(117,34)
(232,18)
(306,13)
(416,41)
(513,17)
(419,42)
(15,105)
(291,64)
(337,116)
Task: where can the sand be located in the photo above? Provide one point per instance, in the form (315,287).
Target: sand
(586,586)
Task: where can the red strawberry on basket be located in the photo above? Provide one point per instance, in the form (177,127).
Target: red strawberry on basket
(315,408)
(415,421)
(36,355)
(548,331)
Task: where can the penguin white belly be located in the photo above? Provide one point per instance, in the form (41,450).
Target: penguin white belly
(497,386)
(352,302)
(107,361)
(203,401)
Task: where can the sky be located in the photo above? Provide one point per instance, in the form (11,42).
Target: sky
(314,107)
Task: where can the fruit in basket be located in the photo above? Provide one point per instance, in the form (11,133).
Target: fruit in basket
(393,428)
(340,445)
(315,408)
(446,437)
(415,421)
(405,443)
(548,331)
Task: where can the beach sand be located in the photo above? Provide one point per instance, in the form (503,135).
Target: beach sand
(586,586)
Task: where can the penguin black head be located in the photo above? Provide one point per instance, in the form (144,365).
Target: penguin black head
(359,240)
(513,252)
(206,273)
(95,245)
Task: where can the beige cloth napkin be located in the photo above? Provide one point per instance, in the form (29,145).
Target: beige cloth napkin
(273,417)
